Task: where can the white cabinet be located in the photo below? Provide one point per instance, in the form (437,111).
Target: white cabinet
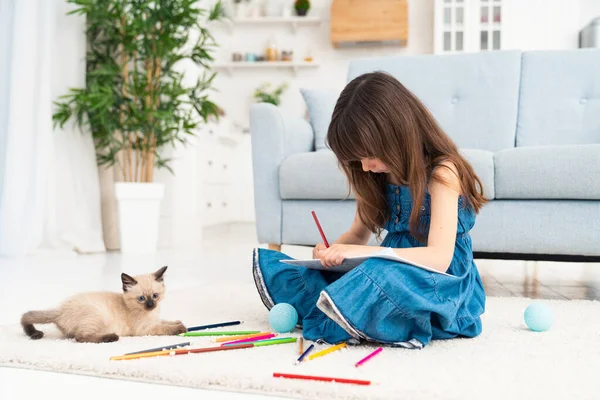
(468,25)
(225,171)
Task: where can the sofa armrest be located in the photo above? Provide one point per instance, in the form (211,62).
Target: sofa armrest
(275,134)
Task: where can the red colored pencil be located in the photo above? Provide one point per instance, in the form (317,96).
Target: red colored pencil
(321,378)
(320,229)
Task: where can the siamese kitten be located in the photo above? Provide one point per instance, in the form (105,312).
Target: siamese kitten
(104,316)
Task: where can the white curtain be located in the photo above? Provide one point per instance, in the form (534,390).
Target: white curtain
(49,189)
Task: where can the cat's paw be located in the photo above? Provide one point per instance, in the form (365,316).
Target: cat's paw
(37,335)
(179,328)
(111,337)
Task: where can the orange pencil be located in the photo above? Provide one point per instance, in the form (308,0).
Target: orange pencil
(182,351)
(230,338)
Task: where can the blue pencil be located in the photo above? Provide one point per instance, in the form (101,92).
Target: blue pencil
(219,325)
(299,360)
(171,347)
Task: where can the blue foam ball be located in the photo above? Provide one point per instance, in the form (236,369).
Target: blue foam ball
(539,317)
(283,318)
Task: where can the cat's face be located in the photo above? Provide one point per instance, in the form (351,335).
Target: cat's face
(143,292)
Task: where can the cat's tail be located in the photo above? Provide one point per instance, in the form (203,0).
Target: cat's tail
(37,317)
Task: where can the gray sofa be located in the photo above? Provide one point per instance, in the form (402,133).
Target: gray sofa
(528,122)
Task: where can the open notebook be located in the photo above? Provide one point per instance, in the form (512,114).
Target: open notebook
(352,262)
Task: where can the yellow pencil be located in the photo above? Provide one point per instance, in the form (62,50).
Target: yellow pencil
(327,351)
(230,338)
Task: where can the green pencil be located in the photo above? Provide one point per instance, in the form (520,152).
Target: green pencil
(274,341)
(268,342)
(218,333)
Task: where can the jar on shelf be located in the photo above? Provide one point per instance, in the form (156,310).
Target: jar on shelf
(308,57)
(287,55)
(271,53)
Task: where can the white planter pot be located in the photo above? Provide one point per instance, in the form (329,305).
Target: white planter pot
(139,214)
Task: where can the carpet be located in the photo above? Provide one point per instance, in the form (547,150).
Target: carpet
(506,361)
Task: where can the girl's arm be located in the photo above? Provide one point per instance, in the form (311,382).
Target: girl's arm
(442,230)
(358,234)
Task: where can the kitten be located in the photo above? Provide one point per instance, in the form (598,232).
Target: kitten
(104,316)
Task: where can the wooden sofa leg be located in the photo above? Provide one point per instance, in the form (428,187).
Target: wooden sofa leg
(276,247)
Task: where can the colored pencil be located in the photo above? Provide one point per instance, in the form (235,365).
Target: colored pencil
(173,346)
(299,360)
(321,378)
(320,229)
(219,325)
(327,351)
(273,341)
(367,358)
(230,338)
(182,351)
(218,333)
(252,339)
(300,346)
(269,342)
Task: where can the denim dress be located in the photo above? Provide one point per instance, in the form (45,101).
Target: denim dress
(380,300)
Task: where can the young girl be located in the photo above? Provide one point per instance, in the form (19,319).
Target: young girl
(409,179)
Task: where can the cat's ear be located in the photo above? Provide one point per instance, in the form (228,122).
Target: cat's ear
(158,275)
(128,282)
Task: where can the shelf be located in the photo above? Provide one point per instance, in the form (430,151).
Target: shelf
(293,21)
(294,65)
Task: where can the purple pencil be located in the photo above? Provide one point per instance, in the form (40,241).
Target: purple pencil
(367,358)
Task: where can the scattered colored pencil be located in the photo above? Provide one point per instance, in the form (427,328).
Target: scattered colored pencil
(299,360)
(205,349)
(300,346)
(321,378)
(182,351)
(320,229)
(218,333)
(367,358)
(274,341)
(173,346)
(230,338)
(327,351)
(252,339)
(219,325)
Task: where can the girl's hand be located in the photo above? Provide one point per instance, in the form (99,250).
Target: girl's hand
(335,255)
(318,248)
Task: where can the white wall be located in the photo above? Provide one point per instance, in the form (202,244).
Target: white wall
(235,92)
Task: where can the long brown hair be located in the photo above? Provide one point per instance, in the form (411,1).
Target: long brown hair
(377,117)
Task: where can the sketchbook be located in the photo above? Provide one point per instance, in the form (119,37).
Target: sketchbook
(352,262)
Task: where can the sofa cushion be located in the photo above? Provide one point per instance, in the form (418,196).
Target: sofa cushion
(560,98)
(320,105)
(548,172)
(316,175)
(473,96)
(482,162)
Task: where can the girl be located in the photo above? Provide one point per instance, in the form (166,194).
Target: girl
(409,179)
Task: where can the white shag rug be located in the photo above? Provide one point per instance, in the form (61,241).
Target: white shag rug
(507,361)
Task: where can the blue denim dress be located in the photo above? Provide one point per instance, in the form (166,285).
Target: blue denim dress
(380,300)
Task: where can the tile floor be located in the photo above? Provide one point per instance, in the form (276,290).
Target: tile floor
(225,255)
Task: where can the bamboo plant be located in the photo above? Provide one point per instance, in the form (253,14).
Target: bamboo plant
(135,101)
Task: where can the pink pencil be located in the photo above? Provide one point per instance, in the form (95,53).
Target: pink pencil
(367,358)
(251,339)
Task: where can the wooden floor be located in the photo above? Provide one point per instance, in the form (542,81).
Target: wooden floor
(541,280)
